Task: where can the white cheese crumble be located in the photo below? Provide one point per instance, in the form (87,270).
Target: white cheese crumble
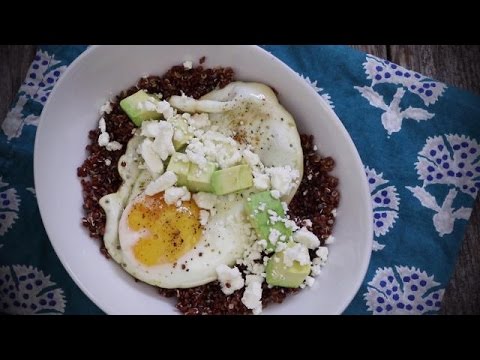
(330,240)
(316,269)
(307,238)
(163,144)
(283,178)
(252,159)
(275,194)
(204,215)
(322,254)
(280,247)
(307,222)
(152,159)
(104,137)
(297,252)
(113,146)
(151,128)
(108,162)
(106,108)
(162,183)
(334,212)
(309,281)
(175,195)
(261,181)
(252,296)
(230,279)
(273,236)
(187,65)
(205,200)
(199,121)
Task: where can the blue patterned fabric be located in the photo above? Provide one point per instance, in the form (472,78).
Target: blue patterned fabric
(418,138)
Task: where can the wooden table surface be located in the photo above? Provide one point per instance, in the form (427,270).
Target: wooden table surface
(457,65)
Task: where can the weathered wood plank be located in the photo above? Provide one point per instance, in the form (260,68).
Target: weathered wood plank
(456,65)
(14,61)
(377,50)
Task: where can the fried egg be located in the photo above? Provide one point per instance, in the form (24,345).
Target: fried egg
(167,245)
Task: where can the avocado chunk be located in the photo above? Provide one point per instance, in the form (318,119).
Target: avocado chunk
(181,135)
(180,165)
(232,179)
(279,274)
(257,208)
(131,107)
(199,179)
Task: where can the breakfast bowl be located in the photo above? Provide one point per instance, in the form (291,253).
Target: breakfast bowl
(72,110)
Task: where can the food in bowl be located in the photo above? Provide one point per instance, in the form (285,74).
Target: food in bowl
(201,185)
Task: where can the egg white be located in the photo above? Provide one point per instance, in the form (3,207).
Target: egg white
(224,239)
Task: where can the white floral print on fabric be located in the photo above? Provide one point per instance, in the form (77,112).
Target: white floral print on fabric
(42,75)
(26,290)
(9,207)
(385,204)
(407,290)
(451,160)
(383,71)
(319,90)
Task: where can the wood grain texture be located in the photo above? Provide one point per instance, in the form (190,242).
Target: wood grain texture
(457,65)
(14,63)
(377,50)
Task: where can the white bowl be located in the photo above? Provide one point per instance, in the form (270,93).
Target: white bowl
(73,109)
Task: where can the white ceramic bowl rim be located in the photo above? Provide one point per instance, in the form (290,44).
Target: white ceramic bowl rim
(48,209)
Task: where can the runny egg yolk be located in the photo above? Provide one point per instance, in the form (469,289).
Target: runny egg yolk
(170,231)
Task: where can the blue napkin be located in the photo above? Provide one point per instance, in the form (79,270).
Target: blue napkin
(417,137)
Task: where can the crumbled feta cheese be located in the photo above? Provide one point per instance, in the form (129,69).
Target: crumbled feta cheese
(309,177)
(152,159)
(188,65)
(262,244)
(103,139)
(252,296)
(151,128)
(230,279)
(330,240)
(309,281)
(199,120)
(307,238)
(163,144)
(273,236)
(280,246)
(108,162)
(114,146)
(315,148)
(102,125)
(252,159)
(227,155)
(106,108)
(322,254)
(262,206)
(205,200)
(175,195)
(290,224)
(162,183)
(195,152)
(316,269)
(261,181)
(307,222)
(275,194)
(284,206)
(204,215)
(283,178)
(334,212)
(297,252)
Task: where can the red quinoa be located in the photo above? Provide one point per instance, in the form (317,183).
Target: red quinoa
(314,200)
